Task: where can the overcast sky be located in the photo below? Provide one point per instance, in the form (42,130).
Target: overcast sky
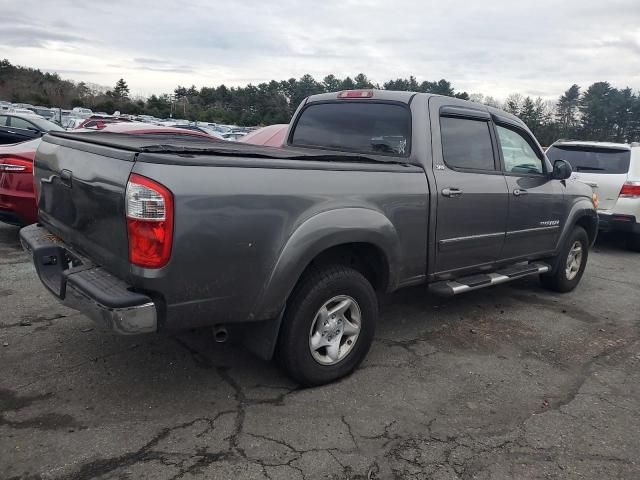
(494,47)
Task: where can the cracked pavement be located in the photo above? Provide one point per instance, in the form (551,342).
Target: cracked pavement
(501,383)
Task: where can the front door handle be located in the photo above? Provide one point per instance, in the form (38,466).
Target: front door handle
(451,192)
(518,192)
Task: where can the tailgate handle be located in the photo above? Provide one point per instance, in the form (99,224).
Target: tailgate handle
(65,177)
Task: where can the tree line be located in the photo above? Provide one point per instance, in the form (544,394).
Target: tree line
(599,112)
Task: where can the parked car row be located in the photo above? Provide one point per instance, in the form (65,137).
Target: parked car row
(81,117)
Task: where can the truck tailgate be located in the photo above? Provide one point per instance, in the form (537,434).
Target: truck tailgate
(81,198)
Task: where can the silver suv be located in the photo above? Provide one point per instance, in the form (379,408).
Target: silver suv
(613,170)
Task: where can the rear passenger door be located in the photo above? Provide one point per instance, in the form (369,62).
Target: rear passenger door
(536,202)
(471,192)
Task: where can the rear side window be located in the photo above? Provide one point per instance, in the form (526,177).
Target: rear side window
(20,123)
(363,127)
(589,159)
(466,143)
(3,121)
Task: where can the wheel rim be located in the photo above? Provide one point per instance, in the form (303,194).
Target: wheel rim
(574,260)
(335,330)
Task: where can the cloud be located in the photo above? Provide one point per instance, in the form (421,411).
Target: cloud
(495,47)
(628,41)
(17,30)
(157,65)
(29,36)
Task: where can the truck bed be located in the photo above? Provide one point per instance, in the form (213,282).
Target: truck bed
(245,217)
(182,148)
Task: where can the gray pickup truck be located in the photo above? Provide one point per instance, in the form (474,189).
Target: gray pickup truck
(286,248)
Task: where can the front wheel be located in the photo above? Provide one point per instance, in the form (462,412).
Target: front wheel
(571,263)
(328,325)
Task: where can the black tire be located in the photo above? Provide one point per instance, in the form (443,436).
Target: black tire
(318,286)
(633,242)
(559,280)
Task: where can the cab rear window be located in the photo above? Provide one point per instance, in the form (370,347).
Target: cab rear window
(592,160)
(362,127)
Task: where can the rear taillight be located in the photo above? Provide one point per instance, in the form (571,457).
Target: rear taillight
(149,222)
(15,165)
(630,189)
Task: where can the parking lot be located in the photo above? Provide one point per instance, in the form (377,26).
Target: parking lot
(508,382)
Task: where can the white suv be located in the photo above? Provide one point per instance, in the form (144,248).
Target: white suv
(613,169)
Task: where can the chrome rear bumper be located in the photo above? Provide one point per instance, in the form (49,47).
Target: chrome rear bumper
(78,284)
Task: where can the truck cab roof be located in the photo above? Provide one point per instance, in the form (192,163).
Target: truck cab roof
(408,98)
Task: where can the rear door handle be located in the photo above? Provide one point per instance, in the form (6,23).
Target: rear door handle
(451,192)
(518,192)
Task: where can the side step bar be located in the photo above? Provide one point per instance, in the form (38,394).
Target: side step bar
(449,288)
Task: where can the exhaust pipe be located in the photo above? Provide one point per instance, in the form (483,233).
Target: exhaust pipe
(220,333)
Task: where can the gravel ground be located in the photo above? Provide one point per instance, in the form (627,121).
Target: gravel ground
(508,382)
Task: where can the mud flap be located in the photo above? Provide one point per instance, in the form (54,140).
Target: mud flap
(261,338)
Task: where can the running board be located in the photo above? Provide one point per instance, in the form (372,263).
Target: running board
(449,288)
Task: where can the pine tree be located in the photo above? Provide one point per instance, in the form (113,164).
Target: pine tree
(121,90)
(568,111)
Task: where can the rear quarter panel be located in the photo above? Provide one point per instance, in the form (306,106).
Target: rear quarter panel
(232,224)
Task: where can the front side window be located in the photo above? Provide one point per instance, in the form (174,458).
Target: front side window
(466,143)
(518,155)
(363,127)
(3,121)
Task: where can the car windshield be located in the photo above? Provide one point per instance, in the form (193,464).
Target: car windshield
(380,128)
(585,158)
(46,125)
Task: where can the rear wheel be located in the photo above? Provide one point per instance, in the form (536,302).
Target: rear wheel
(570,263)
(328,326)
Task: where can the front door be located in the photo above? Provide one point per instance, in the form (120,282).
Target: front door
(472,198)
(536,206)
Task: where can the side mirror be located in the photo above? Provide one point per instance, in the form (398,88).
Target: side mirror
(561,170)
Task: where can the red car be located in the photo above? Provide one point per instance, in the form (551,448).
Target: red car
(17,200)
(272,136)
(17,196)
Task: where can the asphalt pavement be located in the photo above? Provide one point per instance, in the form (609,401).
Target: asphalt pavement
(511,382)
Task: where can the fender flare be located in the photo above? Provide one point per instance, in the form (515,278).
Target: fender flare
(318,233)
(583,208)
